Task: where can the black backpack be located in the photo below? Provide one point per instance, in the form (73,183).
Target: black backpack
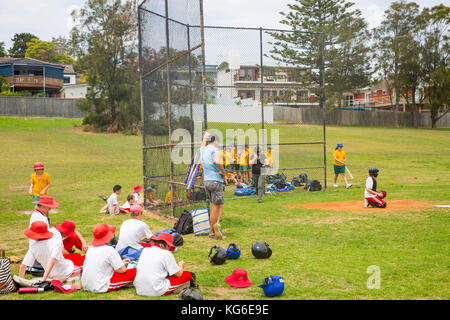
(303,178)
(184,224)
(313,185)
(296,182)
(199,195)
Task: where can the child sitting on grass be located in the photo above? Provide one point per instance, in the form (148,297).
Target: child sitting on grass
(125,208)
(158,273)
(112,203)
(151,200)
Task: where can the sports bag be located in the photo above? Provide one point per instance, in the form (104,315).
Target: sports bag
(7,284)
(313,185)
(190,294)
(303,177)
(199,195)
(177,238)
(184,224)
(130,253)
(200,219)
(244,191)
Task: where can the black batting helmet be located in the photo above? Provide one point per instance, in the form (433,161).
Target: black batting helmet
(217,255)
(261,250)
(373,171)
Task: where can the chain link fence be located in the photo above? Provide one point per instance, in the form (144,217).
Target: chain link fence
(229,81)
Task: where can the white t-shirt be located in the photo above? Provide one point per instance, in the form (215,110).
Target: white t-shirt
(37,216)
(43,250)
(151,272)
(125,206)
(113,200)
(98,268)
(131,232)
(369,184)
(138,197)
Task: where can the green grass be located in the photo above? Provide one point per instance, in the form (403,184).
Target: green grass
(321,254)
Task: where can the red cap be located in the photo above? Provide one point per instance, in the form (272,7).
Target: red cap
(103,234)
(138,188)
(38,231)
(67,227)
(47,201)
(238,279)
(38,166)
(166,237)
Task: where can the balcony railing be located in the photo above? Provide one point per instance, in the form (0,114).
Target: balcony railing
(37,81)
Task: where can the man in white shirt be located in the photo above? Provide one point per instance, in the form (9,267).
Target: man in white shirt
(133,230)
(47,250)
(104,269)
(158,273)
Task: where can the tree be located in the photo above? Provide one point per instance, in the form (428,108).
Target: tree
(2,49)
(46,51)
(435,64)
(394,32)
(104,42)
(19,46)
(345,44)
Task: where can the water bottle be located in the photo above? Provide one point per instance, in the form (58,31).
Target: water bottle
(30,290)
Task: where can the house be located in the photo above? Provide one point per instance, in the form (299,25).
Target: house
(32,75)
(382,96)
(74,91)
(282,85)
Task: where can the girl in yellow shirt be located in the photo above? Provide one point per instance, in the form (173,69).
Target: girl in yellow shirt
(339,164)
(40,182)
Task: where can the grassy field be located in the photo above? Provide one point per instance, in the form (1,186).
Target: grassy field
(322,254)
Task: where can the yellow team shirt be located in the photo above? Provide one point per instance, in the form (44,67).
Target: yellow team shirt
(269,158)
(233,156)
(169,195)
(40,183)
(340,155)
(243,159)
(222,156)
(227,158)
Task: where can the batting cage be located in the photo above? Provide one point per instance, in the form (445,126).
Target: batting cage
(241,84)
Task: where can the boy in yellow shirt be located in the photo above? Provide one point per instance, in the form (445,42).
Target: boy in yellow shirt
(168,197)
(339,164)
(40,182)
(243,164)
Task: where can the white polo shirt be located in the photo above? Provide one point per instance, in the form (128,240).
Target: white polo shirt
(152,269)
(138,197)
(131,232)
(43,250)
(98,268)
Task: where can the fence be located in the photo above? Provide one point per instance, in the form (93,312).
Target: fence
(39,107)
(226,80)
(353,117)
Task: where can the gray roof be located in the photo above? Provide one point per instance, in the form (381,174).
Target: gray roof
(27,61)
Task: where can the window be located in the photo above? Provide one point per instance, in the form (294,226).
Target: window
(242,75)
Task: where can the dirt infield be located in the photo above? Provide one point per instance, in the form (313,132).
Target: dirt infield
(359,205)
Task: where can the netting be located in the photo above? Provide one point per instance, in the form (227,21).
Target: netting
(231,81)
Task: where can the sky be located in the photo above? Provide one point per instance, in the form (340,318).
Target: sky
(51,18)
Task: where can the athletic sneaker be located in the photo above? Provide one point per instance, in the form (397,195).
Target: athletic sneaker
(348,186)
(218,231)
(23,282)
(335,185)
(102,197)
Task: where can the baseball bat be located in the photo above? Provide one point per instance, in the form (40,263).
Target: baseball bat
(349,173)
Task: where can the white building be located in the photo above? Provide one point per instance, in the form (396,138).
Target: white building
(75,91)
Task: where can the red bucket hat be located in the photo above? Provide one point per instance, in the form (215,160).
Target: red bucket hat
(47,201)
(167,238)
(38,166)
(103,234)
(138,188)
(38,231)
(238,279)
(67,227)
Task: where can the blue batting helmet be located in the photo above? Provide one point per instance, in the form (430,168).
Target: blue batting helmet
(273,286)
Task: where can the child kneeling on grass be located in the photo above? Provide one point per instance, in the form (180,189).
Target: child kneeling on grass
(158,273)
(104,269)
(47,250)
(372,197)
